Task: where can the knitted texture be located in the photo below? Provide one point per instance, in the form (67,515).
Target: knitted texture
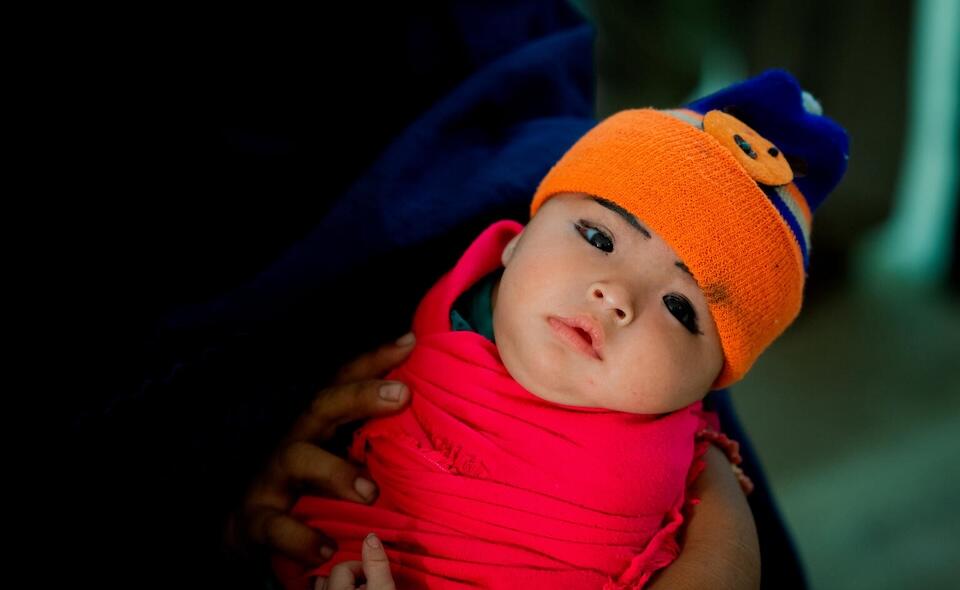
(691,191)
(731,183)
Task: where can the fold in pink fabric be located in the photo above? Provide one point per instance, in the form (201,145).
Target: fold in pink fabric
(485,485)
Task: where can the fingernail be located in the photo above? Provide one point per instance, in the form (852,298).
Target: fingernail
(391,391)
(372,541)
(364,487)
(406,340)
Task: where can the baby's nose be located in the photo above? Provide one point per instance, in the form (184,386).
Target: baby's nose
(614,299)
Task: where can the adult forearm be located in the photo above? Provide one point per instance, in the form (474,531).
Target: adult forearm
(720,549)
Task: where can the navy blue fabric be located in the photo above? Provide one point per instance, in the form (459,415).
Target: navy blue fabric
(772,104)
(483,147)
(226,378)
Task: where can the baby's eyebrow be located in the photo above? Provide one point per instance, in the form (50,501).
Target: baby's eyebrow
(684,268)
(634,223)
(627,216)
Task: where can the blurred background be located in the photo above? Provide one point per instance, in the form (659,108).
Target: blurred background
(205,136)
(855,410)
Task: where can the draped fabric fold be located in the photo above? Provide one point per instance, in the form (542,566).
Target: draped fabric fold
(483,484)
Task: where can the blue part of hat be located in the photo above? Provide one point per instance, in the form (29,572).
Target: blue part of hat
(791,220)
(772,103)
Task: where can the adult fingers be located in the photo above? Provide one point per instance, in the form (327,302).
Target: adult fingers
(304,463)
(354,394)
(263,521)
(272,526)
(376,363)
(376,566)
(344,403)
(343,576)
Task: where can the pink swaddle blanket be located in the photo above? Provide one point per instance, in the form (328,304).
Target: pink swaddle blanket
(483,484)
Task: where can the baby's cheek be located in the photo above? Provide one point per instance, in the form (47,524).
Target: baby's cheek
(667,380)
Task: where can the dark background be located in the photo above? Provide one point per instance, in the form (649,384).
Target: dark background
(198,152)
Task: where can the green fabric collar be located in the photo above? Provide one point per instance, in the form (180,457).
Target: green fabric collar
(473,310)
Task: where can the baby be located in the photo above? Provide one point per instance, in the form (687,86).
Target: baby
(556,418)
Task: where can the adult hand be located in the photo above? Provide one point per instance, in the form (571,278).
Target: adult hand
(357,391)
(374,569)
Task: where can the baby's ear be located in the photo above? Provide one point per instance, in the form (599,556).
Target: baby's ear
(509,248)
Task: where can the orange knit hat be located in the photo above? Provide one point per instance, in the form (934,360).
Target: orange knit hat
(722,195)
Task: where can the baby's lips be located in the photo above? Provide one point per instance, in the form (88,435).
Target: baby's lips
(585,323)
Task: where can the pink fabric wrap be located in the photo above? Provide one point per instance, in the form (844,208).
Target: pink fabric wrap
(483,484)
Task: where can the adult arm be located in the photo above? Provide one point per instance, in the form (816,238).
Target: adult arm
(719,544)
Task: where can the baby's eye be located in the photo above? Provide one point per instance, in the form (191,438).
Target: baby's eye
(595,236)
(683,311)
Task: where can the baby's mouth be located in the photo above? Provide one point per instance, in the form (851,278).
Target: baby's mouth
(585,335)
(580,331)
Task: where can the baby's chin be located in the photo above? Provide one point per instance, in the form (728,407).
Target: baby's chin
(527,377)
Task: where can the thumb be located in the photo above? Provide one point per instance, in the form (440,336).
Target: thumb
(376,565)
(376,363)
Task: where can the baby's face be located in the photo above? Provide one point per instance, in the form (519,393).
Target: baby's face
(576,257)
